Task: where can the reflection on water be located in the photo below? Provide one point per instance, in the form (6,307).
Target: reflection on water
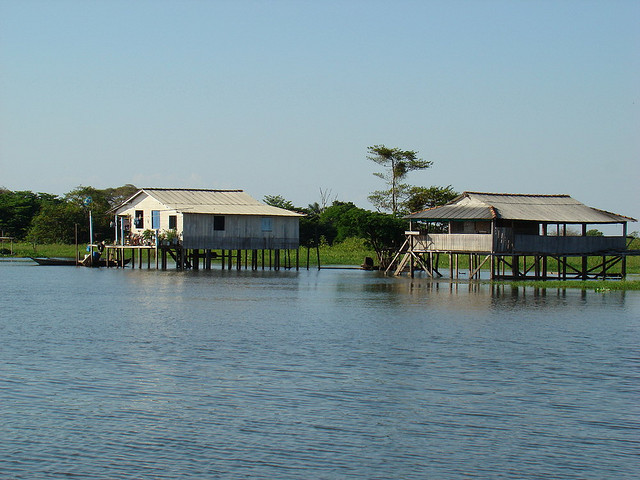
(330,374)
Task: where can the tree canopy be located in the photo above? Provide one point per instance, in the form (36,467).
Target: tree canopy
(420,198)
(398,163)
(47,218)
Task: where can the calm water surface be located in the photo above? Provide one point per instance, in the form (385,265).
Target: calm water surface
(326,375)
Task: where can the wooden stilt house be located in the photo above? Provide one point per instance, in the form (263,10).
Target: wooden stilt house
(188,221)
(520,235)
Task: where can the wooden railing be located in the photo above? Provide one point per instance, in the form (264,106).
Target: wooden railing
(504,242)
(444,242)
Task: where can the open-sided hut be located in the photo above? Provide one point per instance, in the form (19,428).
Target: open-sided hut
(508,228)
(227,220)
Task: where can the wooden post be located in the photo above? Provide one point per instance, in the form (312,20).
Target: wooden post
(623,267)
(457,264)
(411,262)
(297,258)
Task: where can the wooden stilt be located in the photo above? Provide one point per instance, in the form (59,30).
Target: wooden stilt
(457,265)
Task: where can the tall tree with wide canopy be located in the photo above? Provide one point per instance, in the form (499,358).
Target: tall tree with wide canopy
(398,164)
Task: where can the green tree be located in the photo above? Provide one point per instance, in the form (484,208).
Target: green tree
(102,200)
(17,209)
(56,221)
(280,202)
(118,195)
(381,231)
(398,163)
(420,198)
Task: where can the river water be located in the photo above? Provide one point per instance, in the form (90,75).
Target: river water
(331,374)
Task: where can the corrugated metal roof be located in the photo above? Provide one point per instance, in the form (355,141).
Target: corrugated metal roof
(454,212)
(216,202)
(540,208)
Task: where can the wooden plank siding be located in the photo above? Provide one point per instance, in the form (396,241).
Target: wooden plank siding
(454,242)
(518,244)
(241,232)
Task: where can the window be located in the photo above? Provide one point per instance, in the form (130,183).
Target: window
(138,222)
(218,222)
(155,219)
(173,222)
(267,224)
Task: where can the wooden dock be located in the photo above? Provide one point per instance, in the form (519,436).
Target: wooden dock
(161,257)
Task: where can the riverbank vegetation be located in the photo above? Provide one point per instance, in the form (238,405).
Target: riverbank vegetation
(597,285)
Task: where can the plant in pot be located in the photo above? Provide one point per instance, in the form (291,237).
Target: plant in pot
(171,236)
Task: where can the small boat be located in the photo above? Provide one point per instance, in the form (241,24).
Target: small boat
(54,261)
(72,262)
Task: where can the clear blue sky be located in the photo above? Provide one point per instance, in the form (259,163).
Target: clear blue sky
(284,97)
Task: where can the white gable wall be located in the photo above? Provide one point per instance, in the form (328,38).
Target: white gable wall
(147,205)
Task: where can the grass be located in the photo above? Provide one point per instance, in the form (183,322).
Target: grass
(26,249)
(597,285)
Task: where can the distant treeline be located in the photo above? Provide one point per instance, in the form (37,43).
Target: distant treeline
(43,218)
(46,218)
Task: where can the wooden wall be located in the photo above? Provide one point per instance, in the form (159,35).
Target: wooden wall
(506,242)
(242,232)
(463,242)
(148,204)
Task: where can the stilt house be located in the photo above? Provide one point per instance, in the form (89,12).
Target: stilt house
(506,228)
(207,219)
